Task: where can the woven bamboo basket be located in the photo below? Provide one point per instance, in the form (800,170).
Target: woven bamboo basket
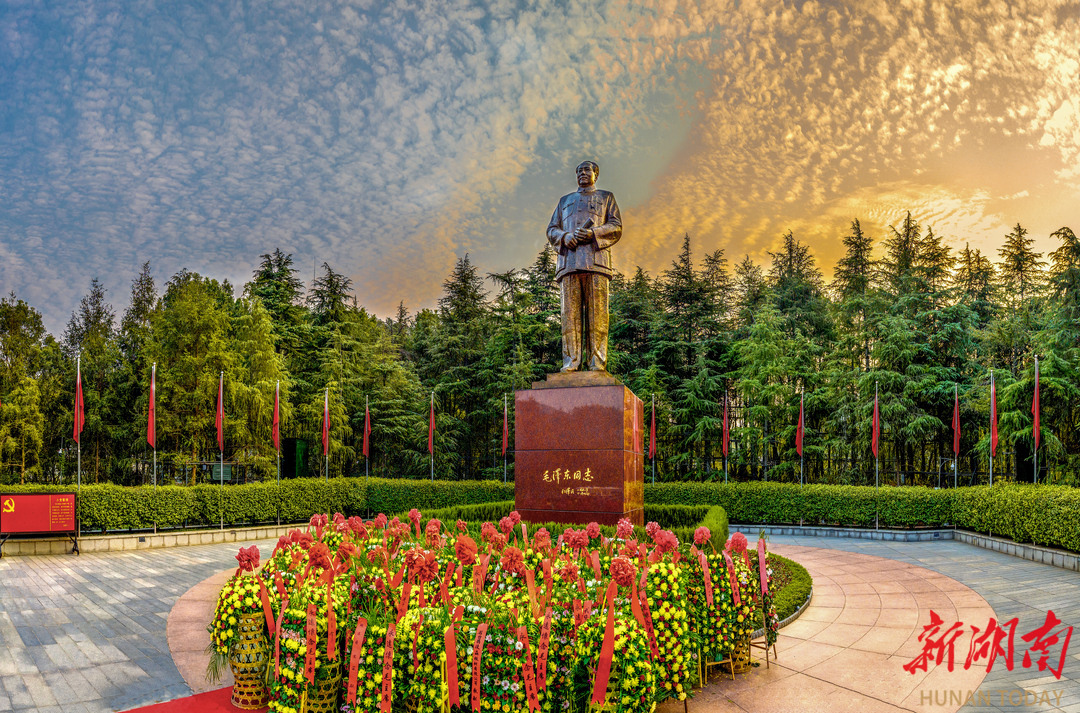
(740,656)
(248,660)
(323,698)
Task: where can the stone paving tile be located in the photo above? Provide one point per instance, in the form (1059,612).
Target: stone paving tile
(1014,588)
(87,633)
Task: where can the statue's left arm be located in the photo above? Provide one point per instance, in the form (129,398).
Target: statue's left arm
(609,233)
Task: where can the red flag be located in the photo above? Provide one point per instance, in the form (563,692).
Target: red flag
(220,420)
(877,425)
(326,423)
(506,427)
(956,421)
(993,417)
(431,427)
(652,430)
(367,430)
(151,421)
(799,428)
(80,418)
(277,417)
(1035,404)
(727,436)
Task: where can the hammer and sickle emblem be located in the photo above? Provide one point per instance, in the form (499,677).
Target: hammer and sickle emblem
(9,505)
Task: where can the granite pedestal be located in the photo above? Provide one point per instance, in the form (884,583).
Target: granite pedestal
(579,450)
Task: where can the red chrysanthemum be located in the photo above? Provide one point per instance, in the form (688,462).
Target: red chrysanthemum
(737,543)
(506,525)
(513,561)
(462,526)
(465,549)
(542,539)
(515,517)
(380,520)
(623,571)
(592,530)
(248,558)
(624,530)
(702,535)
(651,529)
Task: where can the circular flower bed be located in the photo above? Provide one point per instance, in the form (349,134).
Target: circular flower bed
(387,615)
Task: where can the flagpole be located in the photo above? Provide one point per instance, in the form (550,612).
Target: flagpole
(277,444)
(221,444)
(877,462)
(993,413)
(504,443)
(1035,432)
(431,450)
(153,395)
(802,433)
(652,446)
(367,456)
(326,444)
(956,454)
(78,443)
(724,437)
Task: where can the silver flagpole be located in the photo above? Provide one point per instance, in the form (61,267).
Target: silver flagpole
(993,405)
(221,490)
(1035,476)
(367,458)
(505,417)
(277,400)
(432,439)
(877,465)
(956,456)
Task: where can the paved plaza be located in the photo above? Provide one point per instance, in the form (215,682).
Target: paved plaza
(88,633)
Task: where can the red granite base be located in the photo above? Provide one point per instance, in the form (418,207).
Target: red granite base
(579,454)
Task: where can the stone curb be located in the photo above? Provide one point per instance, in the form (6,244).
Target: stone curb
(1035,553)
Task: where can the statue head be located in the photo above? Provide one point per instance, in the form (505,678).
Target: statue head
(587,173)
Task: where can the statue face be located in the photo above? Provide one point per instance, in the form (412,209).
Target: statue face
(586,175)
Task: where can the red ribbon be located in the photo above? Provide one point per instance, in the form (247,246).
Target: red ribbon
(268,611)
(635,603)
(403,603)
(525,534)
(594,560)
(579,616)
(530,583)
(528,670)
(388,669)
(312,642)
(641,556)
(607,650)
(416,642)
(460,569)
(762,569)
(733,578)
(644,594)
(542,650)
(396,581)
(348,601)
(548,583)
(277,634)
(707,574)
(444,587)
(331,620)
(478,650)
(450,641)
(354,659)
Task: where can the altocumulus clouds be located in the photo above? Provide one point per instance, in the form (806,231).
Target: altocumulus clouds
(387,138)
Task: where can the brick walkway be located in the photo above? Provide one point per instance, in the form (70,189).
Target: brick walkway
(88,633)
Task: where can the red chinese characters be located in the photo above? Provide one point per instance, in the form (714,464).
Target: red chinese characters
(1047,645)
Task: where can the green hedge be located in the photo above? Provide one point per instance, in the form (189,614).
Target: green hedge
(113,507)
(1040,514)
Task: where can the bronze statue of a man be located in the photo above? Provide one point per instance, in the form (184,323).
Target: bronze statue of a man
(583,228)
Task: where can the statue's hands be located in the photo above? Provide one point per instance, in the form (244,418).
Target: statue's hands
(583,235)
(569,241)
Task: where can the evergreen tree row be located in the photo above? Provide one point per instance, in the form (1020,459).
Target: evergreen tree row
(908,316)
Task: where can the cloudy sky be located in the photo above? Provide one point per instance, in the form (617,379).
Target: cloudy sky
(389,137)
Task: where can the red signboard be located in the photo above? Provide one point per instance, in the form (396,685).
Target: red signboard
(37,513)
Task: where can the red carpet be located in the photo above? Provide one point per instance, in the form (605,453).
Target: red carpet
(210,702)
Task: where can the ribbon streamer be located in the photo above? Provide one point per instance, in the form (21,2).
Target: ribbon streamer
(607,650)
(762,569)
(478,650)
(354,659)
(312,642)
(734,579)
(388,670)
(450,642)
(528,670)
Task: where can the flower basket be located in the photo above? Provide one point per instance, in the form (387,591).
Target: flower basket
(740,655)
(323,696)
(248,662)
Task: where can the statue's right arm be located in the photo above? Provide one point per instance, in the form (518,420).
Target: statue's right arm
(555,233)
